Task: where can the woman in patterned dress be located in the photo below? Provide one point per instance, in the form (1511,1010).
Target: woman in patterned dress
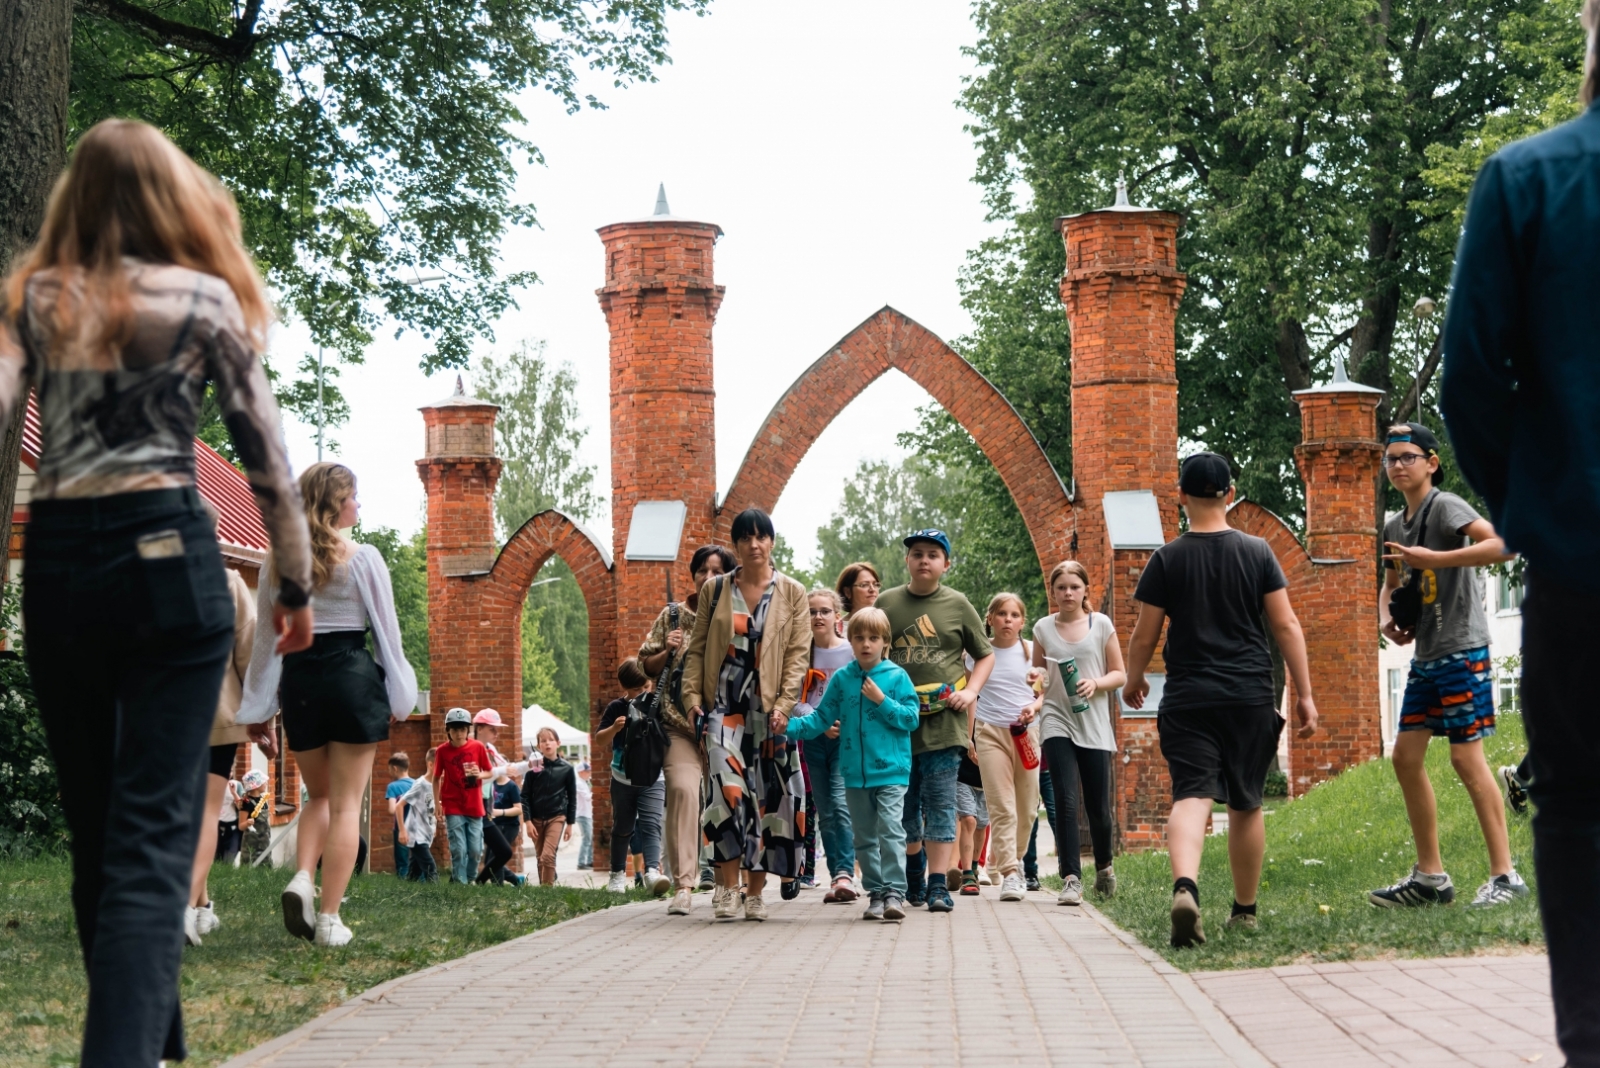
(741,679)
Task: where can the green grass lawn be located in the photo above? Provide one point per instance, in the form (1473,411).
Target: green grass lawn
(1324,852)
(251,981)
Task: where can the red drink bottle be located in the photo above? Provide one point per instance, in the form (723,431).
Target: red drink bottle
(1026,750)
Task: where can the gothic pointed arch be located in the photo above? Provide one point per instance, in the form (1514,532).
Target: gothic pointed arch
(890,340)
(1251,518)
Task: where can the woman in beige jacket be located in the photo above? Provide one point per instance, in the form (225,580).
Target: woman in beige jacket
(741,679)
(226,737)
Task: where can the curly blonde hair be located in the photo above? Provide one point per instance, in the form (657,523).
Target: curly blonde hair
(324,489)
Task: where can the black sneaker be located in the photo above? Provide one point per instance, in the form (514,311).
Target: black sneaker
(1033,882)
(1514,789)
(1411,892)
(894,907)
(916,891)
(1501,890)
(790,889)
(939,899)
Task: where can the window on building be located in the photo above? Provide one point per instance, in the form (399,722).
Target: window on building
(1508,594)
(1508,690)
(1397,694)
(1152,700)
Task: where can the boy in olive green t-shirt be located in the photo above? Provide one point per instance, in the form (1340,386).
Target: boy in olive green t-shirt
(933,626)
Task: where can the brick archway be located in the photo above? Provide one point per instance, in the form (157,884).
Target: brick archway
(891,340)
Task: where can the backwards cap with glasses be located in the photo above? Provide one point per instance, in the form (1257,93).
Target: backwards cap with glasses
(1420,436)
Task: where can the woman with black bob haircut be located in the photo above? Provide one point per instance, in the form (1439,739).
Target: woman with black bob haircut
(755,816)
(661,656)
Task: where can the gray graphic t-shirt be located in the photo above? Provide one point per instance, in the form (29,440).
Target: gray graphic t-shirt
(1453,619)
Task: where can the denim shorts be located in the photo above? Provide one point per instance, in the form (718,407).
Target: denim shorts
(930,814)
(1452,696)
(970,802)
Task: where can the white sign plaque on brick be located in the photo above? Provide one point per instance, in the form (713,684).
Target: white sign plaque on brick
(1133,521)
(655,530)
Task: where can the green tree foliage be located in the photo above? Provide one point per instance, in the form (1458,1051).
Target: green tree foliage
(369,145)
(539,434)
(30,794)
(408,572)
(1320,154)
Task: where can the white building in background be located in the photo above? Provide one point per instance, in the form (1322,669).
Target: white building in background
(1503,604)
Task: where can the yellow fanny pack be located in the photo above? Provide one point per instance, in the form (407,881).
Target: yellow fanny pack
(936,695)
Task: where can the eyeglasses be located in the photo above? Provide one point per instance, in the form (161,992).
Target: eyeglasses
(822,611)
(867,585)
(1405,459)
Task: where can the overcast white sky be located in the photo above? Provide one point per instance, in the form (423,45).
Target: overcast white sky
(825,139)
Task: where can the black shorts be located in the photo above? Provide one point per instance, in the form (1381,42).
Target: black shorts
(1220,751)
(222,760)
(333,692)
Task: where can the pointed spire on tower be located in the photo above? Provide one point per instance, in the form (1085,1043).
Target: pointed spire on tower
(661,200)
(1122,190)
(461,390)
(1340,376)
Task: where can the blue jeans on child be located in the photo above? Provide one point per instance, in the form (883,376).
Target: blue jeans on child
(402,857)
(930,807)
(833,813)
(876,821)
(585,841)
(466,846)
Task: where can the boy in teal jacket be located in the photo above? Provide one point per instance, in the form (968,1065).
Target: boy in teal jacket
(871,706)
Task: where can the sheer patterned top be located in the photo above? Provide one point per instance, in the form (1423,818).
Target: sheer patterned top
(121,419)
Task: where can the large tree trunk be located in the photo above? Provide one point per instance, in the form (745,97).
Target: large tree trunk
(35,70)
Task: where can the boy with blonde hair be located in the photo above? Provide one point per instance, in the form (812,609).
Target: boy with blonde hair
(871,707)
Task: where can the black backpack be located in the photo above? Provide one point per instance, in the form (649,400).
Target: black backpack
(1405,602)
(644,739)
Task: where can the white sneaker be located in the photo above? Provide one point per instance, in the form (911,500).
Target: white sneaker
(191,927)
(1071,891)
(618,883)
(754,908)
(655,882)
(680,903)
(984,879)
(299,908)
(205,918)
(331,931)
(1012,888)
(724,903)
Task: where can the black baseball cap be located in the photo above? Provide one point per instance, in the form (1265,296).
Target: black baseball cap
(1422,438)
(1205,474)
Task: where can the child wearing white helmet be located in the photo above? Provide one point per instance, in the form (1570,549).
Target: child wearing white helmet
(458,764)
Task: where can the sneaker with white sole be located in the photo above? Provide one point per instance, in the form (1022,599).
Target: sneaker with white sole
(299,906)
(1415,890)
(191,928)
(1012,888)
(205,918)
(331,931)
(1501,890)
(984,878)
(1105,882)
(894,907)
(724,903)
(655,882)
(680,903)
(1514,790)
(875,905)
(618,883)
(1071,891)
(754,908)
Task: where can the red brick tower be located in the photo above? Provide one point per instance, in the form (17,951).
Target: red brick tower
(1121,290)
(1338,459)
(660,300)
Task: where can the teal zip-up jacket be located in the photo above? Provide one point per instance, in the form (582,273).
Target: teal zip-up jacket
(874,740)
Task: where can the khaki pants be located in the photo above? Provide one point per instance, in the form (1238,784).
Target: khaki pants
(1011,791)
(546,835)
(684,768)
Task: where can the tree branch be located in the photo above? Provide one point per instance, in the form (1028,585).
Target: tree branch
(233,48)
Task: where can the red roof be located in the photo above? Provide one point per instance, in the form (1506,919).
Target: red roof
(219,482)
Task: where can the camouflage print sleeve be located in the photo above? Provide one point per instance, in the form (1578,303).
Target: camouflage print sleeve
(251,415)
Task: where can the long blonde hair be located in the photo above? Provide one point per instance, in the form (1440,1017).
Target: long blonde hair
(131,192)
(324,489)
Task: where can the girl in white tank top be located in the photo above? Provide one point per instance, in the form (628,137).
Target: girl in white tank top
(1010,786)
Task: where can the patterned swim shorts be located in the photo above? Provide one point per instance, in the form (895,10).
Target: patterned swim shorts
(1452,696)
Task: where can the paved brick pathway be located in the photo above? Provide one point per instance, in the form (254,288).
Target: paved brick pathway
(1482,1011)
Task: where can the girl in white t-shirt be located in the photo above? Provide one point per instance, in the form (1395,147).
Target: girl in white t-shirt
(1010,788)
(1079,744)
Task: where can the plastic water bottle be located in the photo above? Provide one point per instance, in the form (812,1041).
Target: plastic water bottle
(1027,752)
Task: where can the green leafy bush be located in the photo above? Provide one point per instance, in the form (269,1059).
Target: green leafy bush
(30,802)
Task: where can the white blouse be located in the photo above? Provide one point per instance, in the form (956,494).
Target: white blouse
(359,594)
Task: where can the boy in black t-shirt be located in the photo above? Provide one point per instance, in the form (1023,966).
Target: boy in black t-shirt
(1218,722)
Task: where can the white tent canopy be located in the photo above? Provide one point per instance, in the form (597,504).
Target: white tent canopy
(534,717)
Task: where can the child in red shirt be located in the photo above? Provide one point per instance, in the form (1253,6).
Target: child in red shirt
(457,768)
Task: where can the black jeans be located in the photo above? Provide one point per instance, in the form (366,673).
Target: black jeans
(1030,859)
(1563,755)
(637,814)
(1069,763)
(420,866)
(127,654)
(496,852)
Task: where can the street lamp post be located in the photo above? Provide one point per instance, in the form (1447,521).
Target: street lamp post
(1422,309)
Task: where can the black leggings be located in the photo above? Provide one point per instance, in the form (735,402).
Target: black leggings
(1068,763)
(496,852)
